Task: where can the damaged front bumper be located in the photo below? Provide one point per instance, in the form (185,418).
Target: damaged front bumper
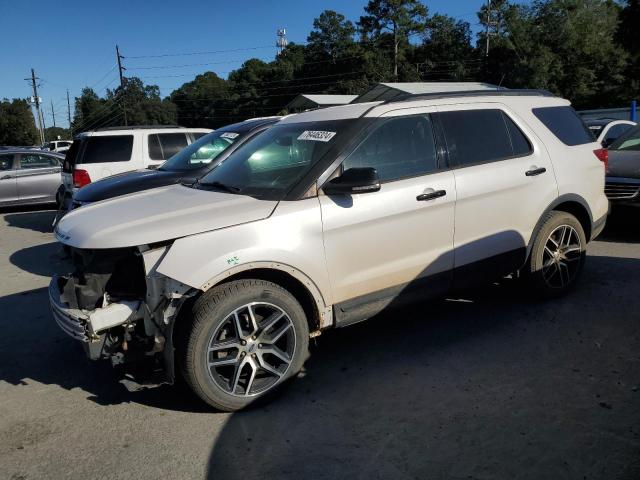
(120,308)
(89,327)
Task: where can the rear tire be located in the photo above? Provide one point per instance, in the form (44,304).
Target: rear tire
(557,256)
(247,338)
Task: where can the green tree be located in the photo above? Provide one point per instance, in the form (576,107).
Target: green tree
(201,102)
(628,38)
(400,18)
(91,110)
(446,52)
(52,133)
(17,125)
(331,37)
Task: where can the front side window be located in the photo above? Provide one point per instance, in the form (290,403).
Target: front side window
(108,148)
(401,147)
(615,131)
(6,162)
(630,140)
(166,145)
(270,165)
(202,152)
(28,161)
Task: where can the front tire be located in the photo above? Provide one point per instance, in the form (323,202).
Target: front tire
(247,338)
(557,256)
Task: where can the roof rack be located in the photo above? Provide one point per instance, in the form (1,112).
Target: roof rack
(472,93)
(136,127)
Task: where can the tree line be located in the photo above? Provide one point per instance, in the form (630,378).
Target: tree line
(584,50)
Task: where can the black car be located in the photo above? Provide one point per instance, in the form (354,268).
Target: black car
(623,171)
(185,166)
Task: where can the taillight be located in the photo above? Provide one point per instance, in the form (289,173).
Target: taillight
(81,178)
(603,156)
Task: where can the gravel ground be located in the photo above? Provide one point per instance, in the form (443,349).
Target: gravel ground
(490,386)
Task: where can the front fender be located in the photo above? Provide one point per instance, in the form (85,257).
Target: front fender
(290,240)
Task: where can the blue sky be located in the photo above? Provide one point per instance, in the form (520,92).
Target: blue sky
(71,44)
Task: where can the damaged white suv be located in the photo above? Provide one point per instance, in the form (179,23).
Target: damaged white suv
(330,217)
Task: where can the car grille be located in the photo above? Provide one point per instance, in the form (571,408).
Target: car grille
(621,191)
(70,324)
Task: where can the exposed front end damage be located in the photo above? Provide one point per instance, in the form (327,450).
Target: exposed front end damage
(120,308)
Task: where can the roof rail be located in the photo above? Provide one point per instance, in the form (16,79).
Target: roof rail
(472,93)
(136,127)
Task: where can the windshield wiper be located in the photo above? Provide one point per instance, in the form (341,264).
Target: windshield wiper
(220,185)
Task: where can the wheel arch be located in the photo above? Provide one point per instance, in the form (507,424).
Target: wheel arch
(569,203)
(319,314)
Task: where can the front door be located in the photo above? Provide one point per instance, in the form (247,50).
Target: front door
(396,244)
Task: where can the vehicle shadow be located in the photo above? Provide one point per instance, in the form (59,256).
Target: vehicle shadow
(623,225)
(30,218)
(44,259)
(492,385)
(32,347)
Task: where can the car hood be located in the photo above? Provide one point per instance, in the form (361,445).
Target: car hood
(128,182)
(157,215)
(624,163)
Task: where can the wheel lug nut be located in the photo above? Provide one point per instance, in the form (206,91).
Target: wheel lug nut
(243,342)
(242,354)
(254,337)
(253,355)
(260,345)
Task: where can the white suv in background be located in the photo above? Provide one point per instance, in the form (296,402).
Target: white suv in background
(326,219)
(108,151)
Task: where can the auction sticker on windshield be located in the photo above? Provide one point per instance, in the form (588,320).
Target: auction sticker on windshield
(229,135)
(316,135)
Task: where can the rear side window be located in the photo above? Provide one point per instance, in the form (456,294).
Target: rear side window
(565,124)
(477,136)
(6,162)
(105,149)
(166,145)
(37,161)
(519,141)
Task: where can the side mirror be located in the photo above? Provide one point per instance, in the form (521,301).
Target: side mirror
(353,180)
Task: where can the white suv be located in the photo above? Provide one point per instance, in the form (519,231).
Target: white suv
(328,218)
(108,151)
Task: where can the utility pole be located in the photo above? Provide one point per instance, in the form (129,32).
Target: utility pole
(120,69)
(68,109)
(53,114)
(486,30)
(36,100)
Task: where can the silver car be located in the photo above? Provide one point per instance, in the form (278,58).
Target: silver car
(29,176)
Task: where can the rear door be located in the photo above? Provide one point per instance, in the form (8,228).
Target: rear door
(504,182)
(38,177)
(8,190)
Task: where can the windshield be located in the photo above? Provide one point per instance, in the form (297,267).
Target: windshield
(630,140)
(201,152)
(272,164)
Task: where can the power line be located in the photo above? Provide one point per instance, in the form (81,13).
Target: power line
(212,52)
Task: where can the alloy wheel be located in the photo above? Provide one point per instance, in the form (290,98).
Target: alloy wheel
(251,350)
(561,257)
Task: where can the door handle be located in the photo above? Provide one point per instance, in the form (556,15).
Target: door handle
(535,171)
(431,195)
(6,177)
